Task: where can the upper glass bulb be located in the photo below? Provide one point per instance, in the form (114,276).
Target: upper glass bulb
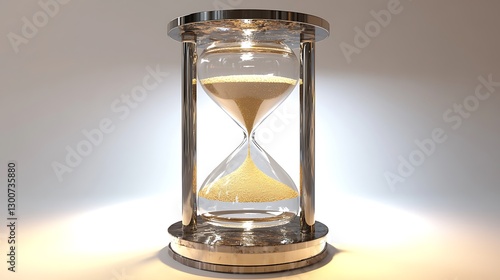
(248,79)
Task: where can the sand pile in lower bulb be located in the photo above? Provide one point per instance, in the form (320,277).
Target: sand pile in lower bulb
(247,184)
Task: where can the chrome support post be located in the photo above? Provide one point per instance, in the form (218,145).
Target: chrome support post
(189,132)
(307,149)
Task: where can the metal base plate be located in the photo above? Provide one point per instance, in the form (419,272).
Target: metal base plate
(235,250)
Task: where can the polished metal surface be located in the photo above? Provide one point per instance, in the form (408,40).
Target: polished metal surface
(201,245)
(239,250)
(265,24)
(249,269)
(307,134)
(189,132)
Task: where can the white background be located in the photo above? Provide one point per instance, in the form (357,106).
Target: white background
(108,217)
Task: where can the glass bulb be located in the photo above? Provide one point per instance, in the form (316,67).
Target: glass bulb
(248,80)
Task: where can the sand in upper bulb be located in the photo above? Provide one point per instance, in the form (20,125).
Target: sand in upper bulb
(248,98)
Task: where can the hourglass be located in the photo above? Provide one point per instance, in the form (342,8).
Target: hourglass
(248,216)
(249,189)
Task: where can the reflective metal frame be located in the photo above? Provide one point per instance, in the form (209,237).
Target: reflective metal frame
(297,30)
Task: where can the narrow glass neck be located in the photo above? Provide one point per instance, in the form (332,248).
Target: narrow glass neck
(248,136)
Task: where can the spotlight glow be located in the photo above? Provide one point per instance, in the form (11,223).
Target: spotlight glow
(368,224)
(120,228)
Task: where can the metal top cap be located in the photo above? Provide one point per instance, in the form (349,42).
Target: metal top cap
(210,26)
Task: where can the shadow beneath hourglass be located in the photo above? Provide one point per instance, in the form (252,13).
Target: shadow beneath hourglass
(165,258)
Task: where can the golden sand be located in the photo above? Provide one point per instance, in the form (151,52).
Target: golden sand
(247,184)
(248,98)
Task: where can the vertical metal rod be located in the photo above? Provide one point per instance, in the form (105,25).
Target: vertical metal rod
(307,123)
(189,132)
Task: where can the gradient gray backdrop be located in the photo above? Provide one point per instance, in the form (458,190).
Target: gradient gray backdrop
(108,218)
